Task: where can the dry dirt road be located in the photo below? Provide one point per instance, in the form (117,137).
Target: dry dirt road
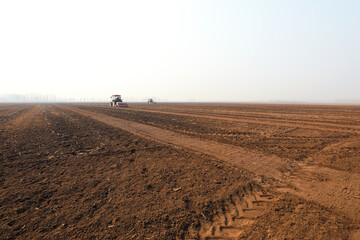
(179,172)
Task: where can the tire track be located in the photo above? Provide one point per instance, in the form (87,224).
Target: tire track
(235,215)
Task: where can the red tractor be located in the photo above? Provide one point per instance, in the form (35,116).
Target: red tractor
(116,101)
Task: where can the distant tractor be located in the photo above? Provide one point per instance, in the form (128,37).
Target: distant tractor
(151,101)
(116,101)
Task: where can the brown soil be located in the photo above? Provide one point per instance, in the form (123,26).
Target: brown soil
(296,132)
(315,183)
(66,175)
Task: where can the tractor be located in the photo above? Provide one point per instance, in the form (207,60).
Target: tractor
(116,101)
(151,101)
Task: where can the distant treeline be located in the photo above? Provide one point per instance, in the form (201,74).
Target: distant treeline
(34,98)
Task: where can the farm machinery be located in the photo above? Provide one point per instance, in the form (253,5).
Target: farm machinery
(116,101)
(151,101)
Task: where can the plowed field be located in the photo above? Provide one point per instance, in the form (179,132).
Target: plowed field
(179,171)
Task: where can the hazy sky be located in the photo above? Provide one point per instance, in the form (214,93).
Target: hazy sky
(182,50)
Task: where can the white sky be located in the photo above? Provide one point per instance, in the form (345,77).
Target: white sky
(182,50)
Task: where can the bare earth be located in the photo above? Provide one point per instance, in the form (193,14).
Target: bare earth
(180,171)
